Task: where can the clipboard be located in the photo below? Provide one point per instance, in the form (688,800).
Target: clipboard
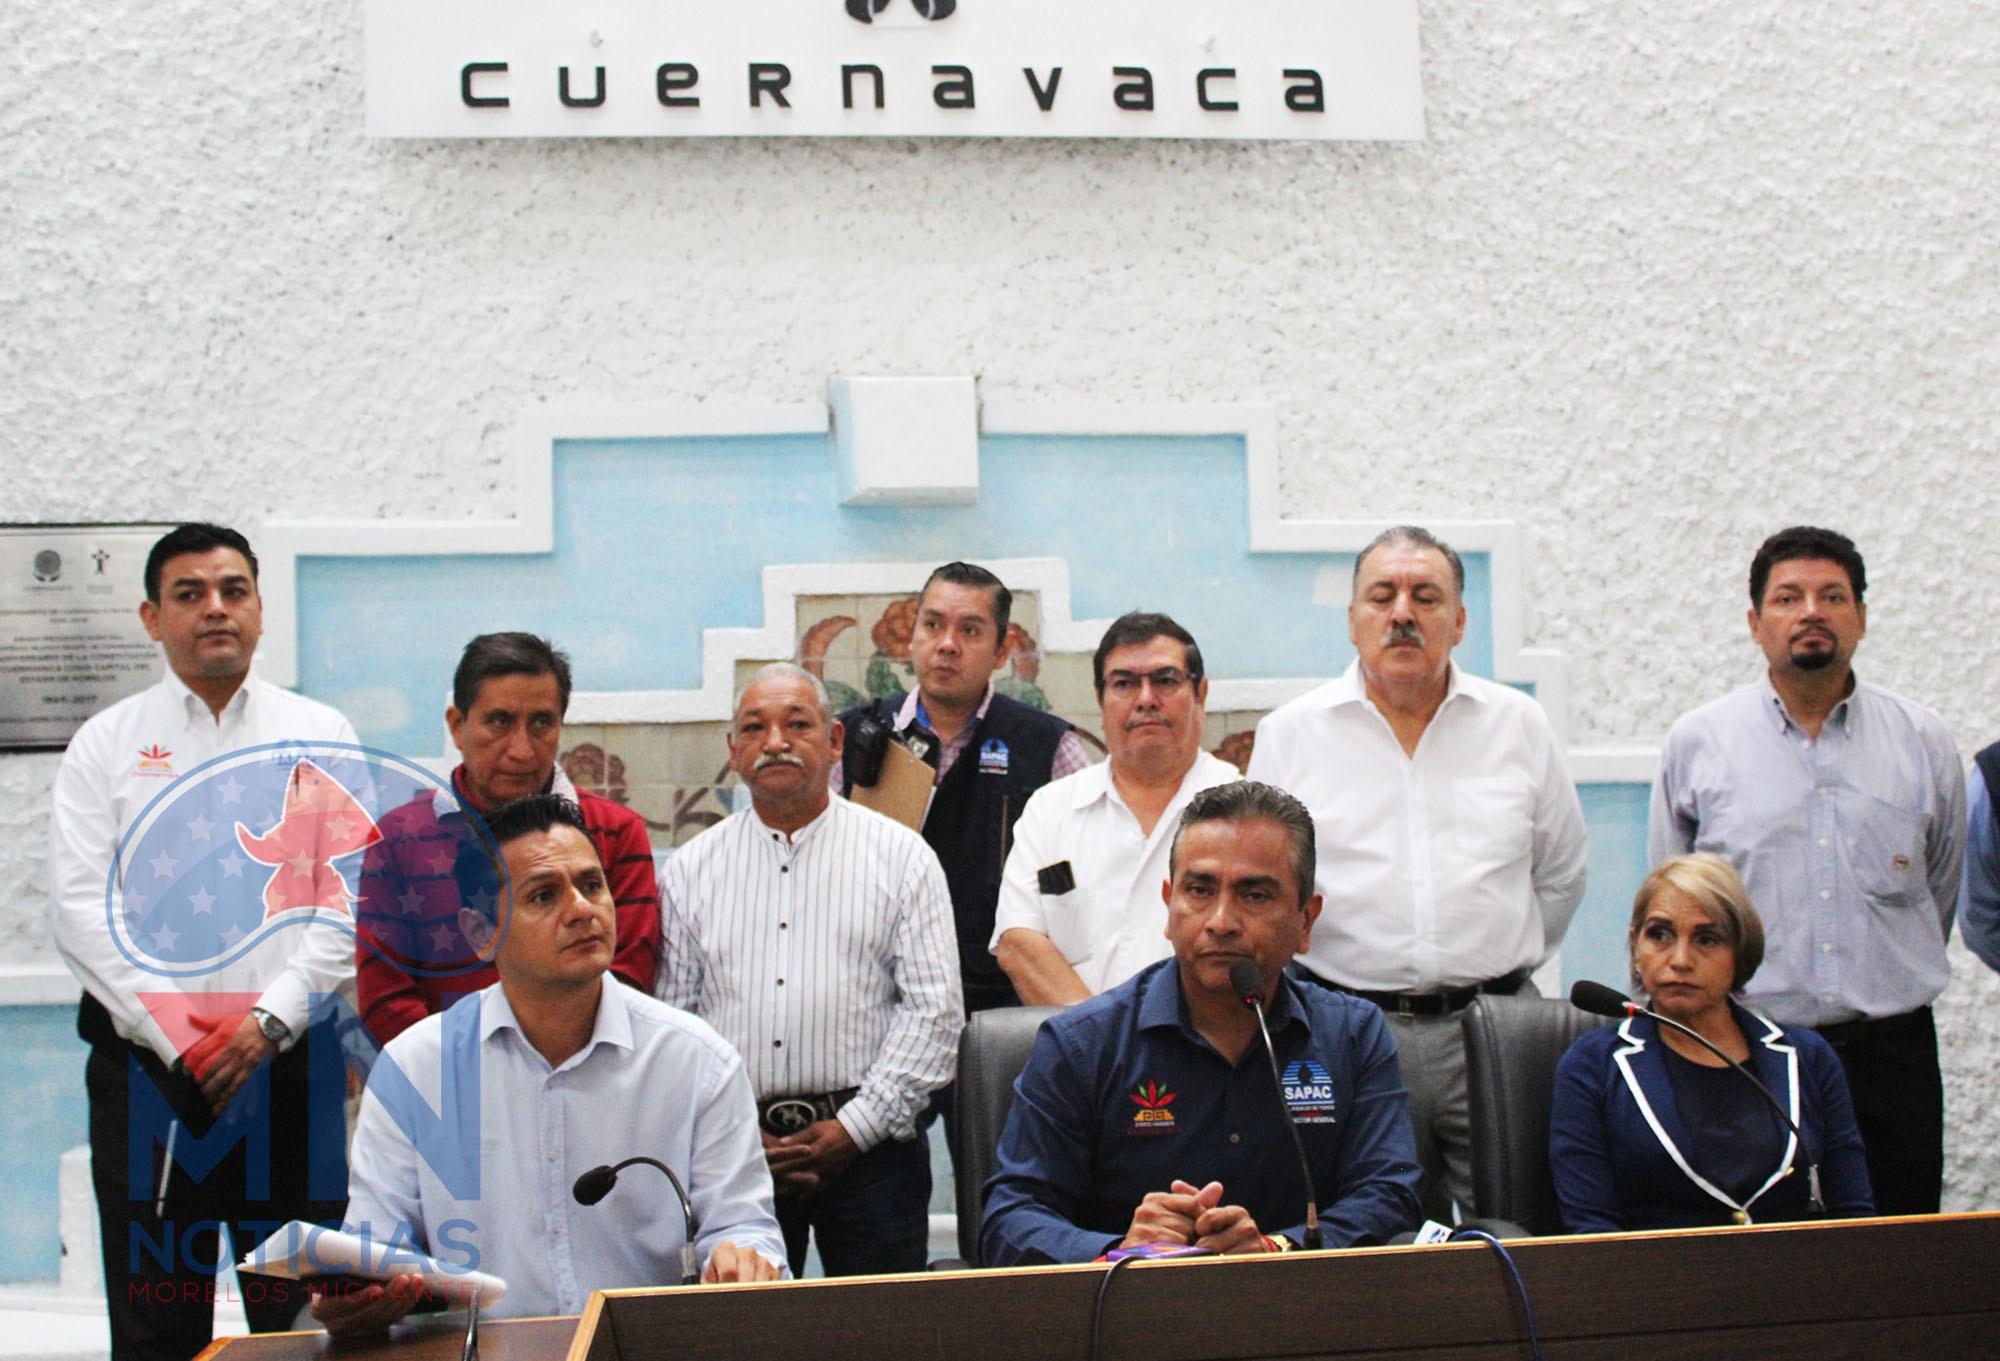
(903,790)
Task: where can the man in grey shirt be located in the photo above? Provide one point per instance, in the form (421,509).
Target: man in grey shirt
(1843,808)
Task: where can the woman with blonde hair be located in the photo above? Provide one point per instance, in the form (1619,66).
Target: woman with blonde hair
(1650,1130)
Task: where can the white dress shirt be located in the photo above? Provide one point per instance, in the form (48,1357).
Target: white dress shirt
(829,959)
(1113,923)
(1450,867)
(1850,845)
(113,770)
(651,1081)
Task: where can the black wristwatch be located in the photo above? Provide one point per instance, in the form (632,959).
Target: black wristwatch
(275,1030)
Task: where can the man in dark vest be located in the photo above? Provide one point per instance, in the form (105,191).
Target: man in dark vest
(991,753)
(1979,900)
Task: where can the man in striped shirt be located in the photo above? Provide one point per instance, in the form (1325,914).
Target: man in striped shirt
(817,937)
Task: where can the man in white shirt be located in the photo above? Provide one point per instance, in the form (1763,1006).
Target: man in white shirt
(817,937)
(571,1075)
(1080,907)
(202,606)
(1451,842)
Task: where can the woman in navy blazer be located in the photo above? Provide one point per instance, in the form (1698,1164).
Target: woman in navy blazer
(1650,1130)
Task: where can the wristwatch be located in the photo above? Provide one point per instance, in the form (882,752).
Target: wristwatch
(275,1030)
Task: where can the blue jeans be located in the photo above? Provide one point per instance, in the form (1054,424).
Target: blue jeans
(874,1219)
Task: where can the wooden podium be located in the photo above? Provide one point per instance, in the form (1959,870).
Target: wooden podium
(1924,1287)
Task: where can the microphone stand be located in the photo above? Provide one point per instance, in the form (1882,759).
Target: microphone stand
(596,1184)
(1591,1001)
(1249,985)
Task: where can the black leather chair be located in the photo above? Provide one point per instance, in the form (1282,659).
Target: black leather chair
(1512,1046)
(992,1051)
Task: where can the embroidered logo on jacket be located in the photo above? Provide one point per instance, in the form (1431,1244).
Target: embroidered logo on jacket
(1153,1117)
(1309,1092)
(993,757)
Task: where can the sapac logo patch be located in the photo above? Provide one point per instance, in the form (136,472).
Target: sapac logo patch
(1155,1114)
(993,757)
(1309,1092)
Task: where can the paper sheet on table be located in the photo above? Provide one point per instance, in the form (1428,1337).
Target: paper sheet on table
(298,1250)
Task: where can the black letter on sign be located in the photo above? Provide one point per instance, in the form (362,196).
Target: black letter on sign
(1201,95)
(1133,94)
(866,10)
(847,75)
(1307,98)
(562,88)
(953,94)
(480,68)
(678,75)
(1045,98)
(769,78)
(936,9)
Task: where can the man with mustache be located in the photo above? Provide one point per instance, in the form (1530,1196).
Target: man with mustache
(816,936)
(1451,843)
(1080,903)
(1842,806)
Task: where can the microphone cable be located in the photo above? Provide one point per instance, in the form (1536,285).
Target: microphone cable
(1514,1273)
(1097,1310)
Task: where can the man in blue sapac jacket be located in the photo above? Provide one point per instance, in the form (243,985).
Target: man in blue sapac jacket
(1147,1114)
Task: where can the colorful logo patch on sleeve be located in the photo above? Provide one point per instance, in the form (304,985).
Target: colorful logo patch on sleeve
(1154,1115)
(1309,1092)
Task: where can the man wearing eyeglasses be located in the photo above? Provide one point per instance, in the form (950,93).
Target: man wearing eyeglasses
(1080,906)
(1451,841)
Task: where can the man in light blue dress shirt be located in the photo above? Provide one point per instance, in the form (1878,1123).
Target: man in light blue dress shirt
(1843,808)
(552,1073)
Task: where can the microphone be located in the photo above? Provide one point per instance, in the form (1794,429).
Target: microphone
(1248,981)
(596,1184)
(1599,1000)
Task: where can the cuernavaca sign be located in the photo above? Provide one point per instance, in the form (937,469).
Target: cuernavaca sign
(1319,70)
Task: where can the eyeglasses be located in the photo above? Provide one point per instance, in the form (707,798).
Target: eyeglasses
(1166,682)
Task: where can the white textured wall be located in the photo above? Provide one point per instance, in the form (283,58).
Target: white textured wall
(1665,275)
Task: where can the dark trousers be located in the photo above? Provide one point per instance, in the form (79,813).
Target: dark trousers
(1892,1072)
(160,1274)
(874,1219)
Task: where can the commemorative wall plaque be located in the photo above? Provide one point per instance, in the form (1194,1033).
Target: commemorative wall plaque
(70,637)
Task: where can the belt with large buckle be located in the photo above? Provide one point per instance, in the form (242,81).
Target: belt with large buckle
(786,1115)
(1445,1003)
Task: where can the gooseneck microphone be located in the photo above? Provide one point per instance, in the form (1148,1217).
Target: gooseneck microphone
(596,1184)
(1248,981)
(1599,1000)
